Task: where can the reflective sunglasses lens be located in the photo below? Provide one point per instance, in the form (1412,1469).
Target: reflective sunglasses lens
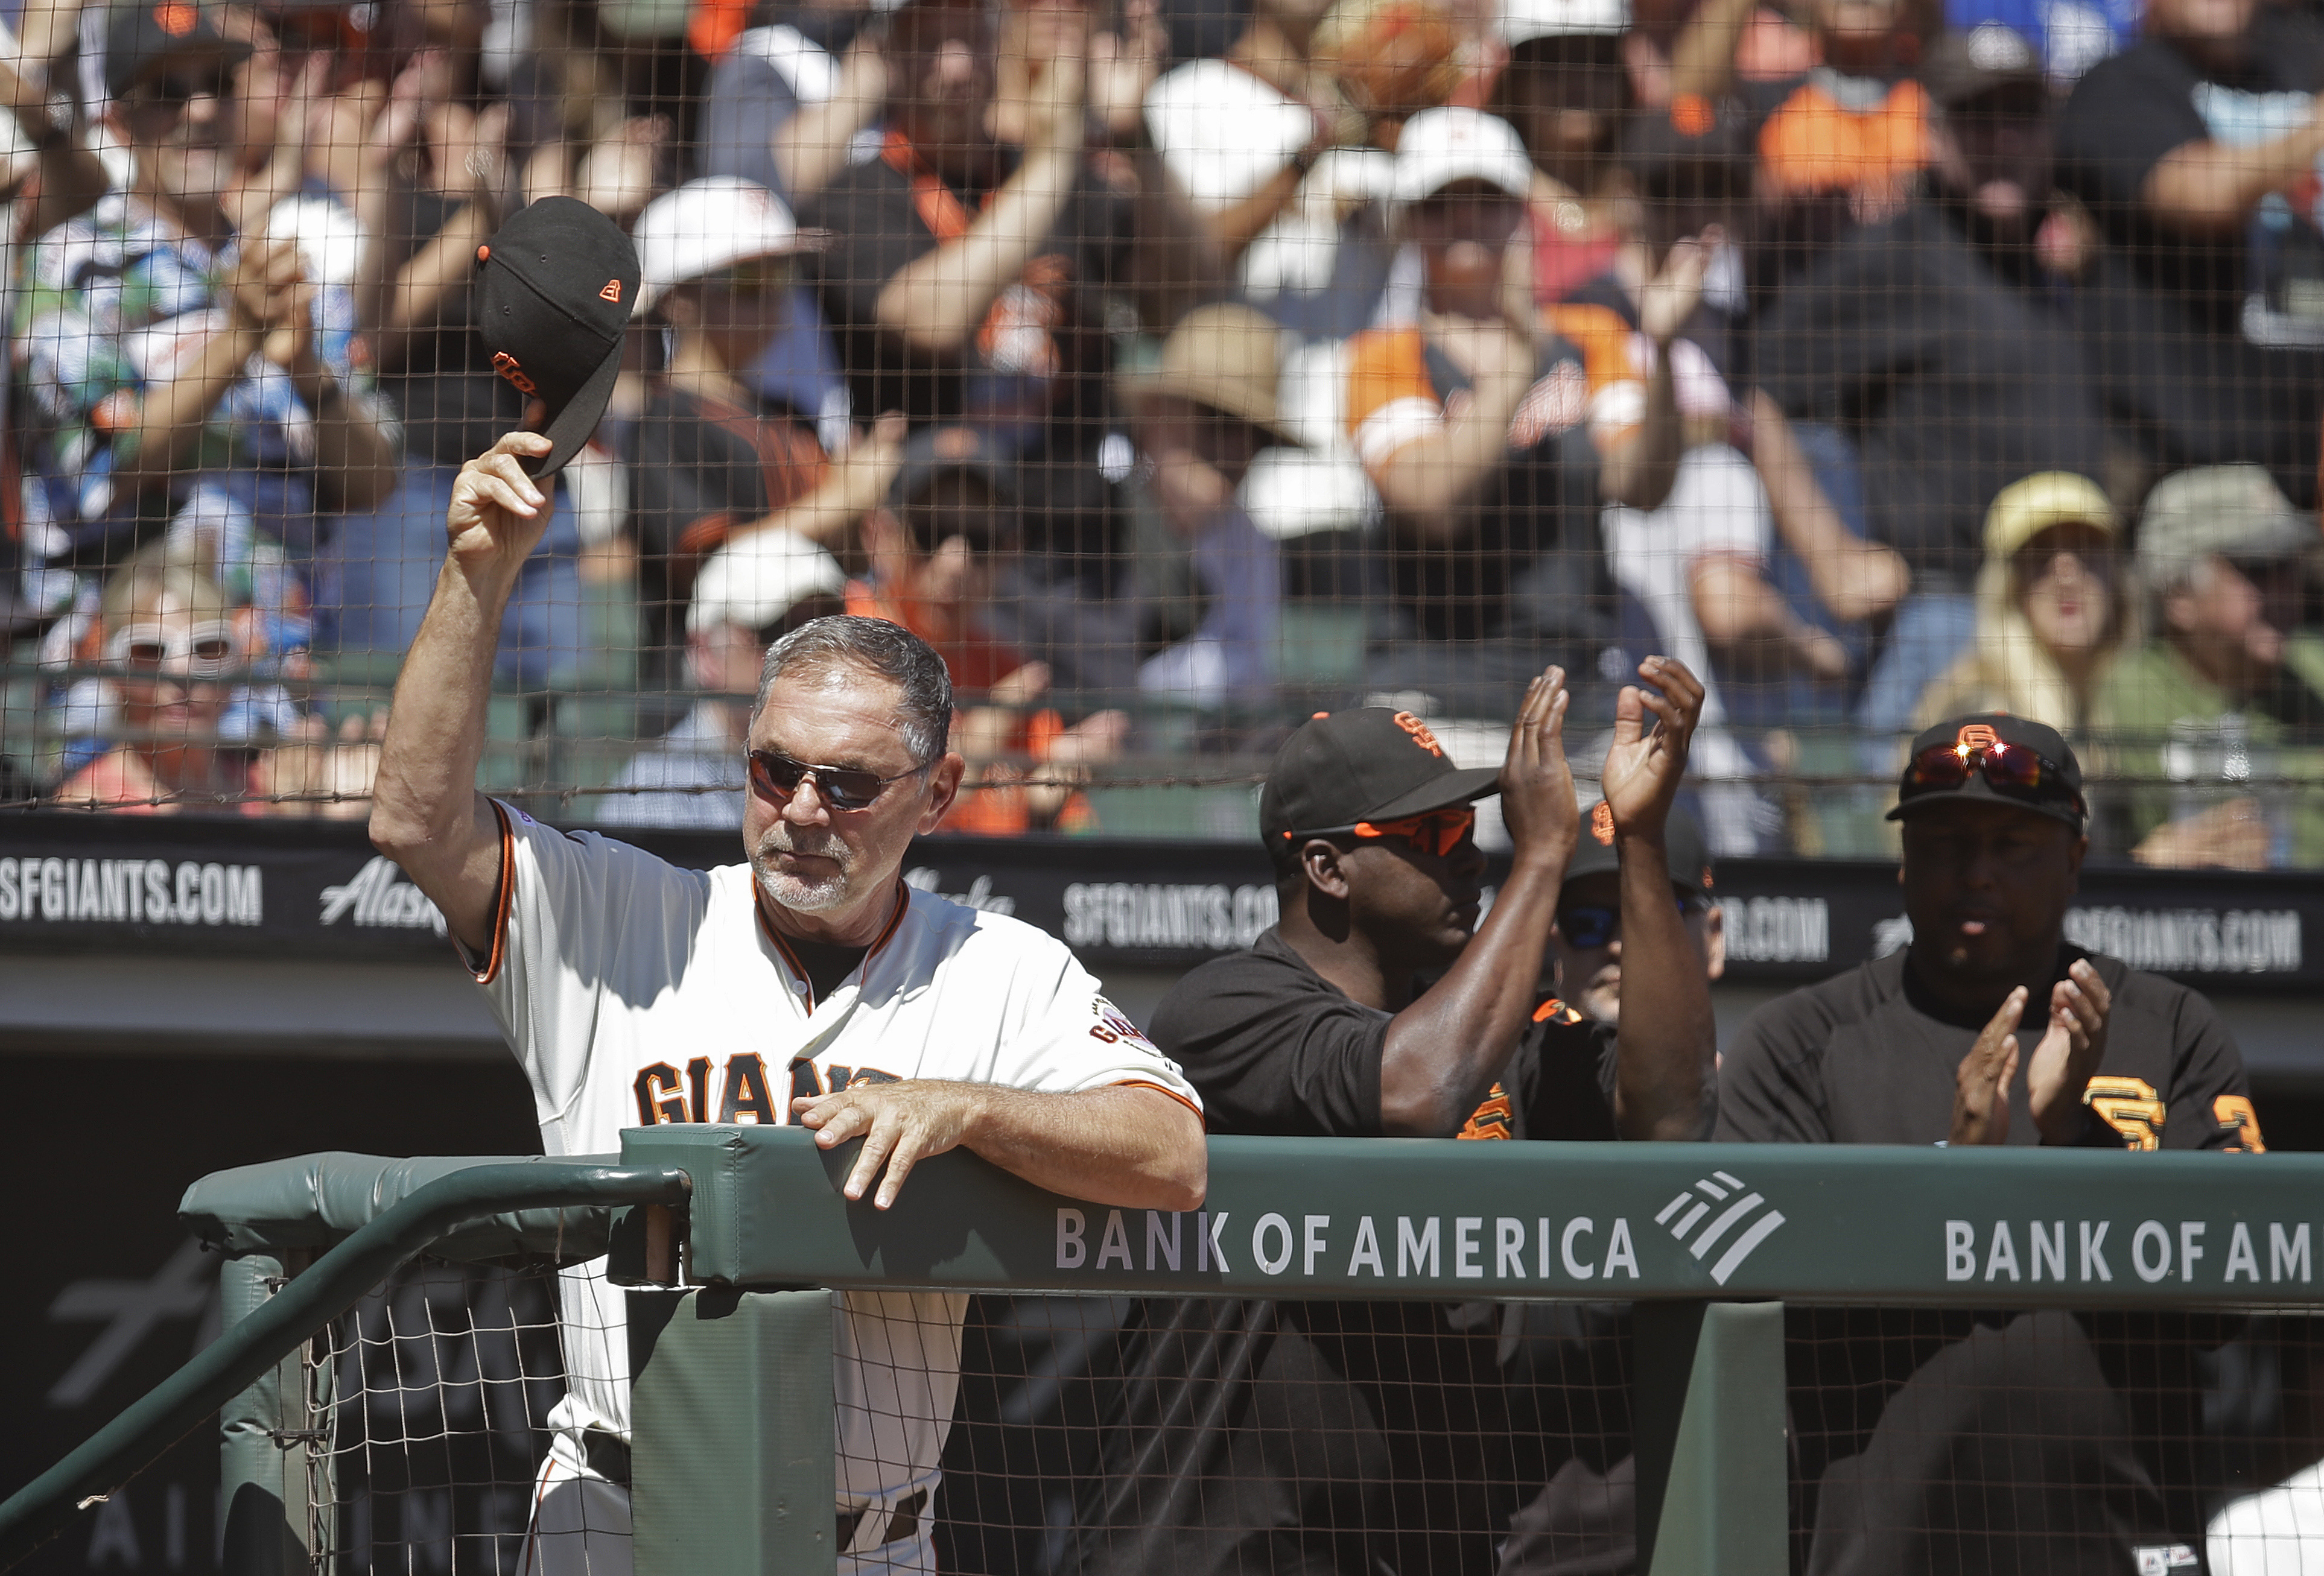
(775,776)
(145,653)
(847,790)
(2011,766)
(1940,767)
(1586,927)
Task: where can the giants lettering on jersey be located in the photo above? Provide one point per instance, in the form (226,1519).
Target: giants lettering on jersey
(746,1091)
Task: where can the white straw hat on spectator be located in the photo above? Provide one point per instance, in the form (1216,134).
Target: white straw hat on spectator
(1440,146)
(1522,19)
(1223,132)
(706,225)
(753,580)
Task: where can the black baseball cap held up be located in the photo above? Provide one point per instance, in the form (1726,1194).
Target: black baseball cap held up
(1992,758)
(1370,764)
(145,40)
(555,286)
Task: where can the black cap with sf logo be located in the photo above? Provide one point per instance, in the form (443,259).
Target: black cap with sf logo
(555,287)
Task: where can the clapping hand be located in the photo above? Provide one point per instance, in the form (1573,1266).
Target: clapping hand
(1646,762)
(1537,799)
(2070,1050)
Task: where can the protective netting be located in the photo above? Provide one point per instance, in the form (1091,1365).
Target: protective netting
(430,1405)
(1102,1434)
(1180,368)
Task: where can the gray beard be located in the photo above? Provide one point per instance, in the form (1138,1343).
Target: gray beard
(803,896)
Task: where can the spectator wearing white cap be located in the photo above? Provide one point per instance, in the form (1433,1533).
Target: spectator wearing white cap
(1471,423)
(751,593)
(715,462)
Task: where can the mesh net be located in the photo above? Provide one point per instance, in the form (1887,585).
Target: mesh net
(1095,1435)
(1177,368)
(430,1404)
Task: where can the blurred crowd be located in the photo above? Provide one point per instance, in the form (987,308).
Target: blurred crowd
(1178,367)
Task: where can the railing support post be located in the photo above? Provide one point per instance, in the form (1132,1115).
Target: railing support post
(731,1404)
(263,1480)
(1708,1410)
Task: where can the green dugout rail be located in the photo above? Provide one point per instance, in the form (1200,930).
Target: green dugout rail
(733,1240)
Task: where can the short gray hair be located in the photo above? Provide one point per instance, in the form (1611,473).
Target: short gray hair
(874,645)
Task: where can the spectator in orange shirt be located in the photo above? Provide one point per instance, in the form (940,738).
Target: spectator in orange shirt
(1470,422)
(1841,145)
(935,549)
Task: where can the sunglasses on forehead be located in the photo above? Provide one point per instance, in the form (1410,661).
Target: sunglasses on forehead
(2011,770)
(775,777)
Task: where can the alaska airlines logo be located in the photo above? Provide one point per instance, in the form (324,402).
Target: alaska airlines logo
(1683,1214)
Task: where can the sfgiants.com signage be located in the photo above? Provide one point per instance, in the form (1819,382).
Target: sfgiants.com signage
(317,888)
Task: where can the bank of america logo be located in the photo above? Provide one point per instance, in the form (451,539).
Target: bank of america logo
(1715,1197)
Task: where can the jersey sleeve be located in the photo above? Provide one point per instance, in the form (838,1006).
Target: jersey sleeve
(1065,1036)
(1390,400)
(1293,1062)
(572,924)
(1770,1080)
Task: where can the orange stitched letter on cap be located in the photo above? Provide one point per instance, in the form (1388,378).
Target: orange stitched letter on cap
(1978,736)
(612,292)
(1602,822)
(175,19)
(1420,733)
(508,367)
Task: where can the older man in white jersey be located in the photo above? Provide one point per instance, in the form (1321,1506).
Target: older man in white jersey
(809,985)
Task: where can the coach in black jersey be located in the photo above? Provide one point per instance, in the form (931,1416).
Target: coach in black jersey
(1374,1438)
(1990,1029)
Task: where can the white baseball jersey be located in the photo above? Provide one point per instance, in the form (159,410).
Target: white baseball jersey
(636,992)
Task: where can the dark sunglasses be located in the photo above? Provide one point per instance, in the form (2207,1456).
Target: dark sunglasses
(2011,770)
(1586,927)
(776,776)
(1439,831)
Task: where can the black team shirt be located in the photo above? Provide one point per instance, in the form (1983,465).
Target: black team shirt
(1349,1436)
(1868,1058)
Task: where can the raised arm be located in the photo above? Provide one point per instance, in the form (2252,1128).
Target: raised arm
(1427,481)
(1444,1051)
(1666,1086)
(425,812)
(1641,472)
(2214,186)
(811,147)
(936,301)
(1127,1146)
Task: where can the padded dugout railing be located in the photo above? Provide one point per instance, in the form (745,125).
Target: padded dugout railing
(733,1466)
